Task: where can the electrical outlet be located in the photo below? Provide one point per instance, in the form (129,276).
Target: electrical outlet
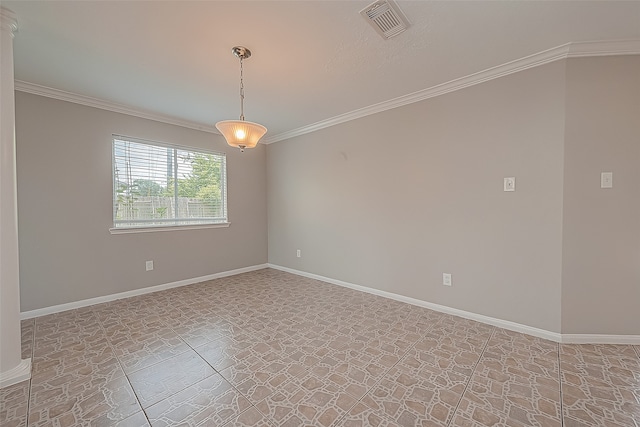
(510,184)
(446,279)
(606,180)
(298,254)
(149,265)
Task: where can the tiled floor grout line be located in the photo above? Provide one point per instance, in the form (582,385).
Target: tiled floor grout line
(336,422)
(251,334)
(228,423)
(560,385)
(364,329)
(123,371)
(33,338)
(144,410)
(344,346)
(473,371)
(382,377)
(33,351)
(207,362)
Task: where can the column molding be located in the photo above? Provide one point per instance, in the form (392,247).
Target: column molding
(13,369)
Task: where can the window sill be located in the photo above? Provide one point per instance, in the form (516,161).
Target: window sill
(167,228)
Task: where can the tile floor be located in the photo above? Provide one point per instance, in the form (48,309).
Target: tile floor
(268,348)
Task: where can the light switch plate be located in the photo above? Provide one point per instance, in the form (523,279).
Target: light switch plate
(510,184)
(606,180)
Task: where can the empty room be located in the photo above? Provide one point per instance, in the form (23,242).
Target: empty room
(320,213)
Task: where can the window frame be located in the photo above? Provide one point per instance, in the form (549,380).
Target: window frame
(126,229)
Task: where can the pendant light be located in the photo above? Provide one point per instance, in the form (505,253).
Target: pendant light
(240,133)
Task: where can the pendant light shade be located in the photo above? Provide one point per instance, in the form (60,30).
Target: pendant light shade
(240,133)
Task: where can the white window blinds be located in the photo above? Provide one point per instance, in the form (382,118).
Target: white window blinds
(156,185)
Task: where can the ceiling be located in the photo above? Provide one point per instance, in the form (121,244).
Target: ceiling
(312,60)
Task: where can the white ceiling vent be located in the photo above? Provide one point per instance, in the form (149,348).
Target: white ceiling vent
(386,18)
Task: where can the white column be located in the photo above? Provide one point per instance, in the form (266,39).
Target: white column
(13,369)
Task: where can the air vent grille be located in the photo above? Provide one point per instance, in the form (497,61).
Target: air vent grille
(386,18)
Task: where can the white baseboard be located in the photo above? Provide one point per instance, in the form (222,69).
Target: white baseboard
(19,373)
(600,339)
(512,326)
(505,324)
(98,300)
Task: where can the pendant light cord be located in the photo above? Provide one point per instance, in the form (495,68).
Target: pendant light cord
(241,92)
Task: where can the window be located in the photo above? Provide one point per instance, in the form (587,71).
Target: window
(159,185)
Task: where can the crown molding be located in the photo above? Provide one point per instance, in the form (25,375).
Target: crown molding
(62,95)
(604,48)
(569,50)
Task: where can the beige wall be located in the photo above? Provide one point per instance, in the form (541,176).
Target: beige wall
(601,227)
(65,208)
(389,201)
(393,200)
